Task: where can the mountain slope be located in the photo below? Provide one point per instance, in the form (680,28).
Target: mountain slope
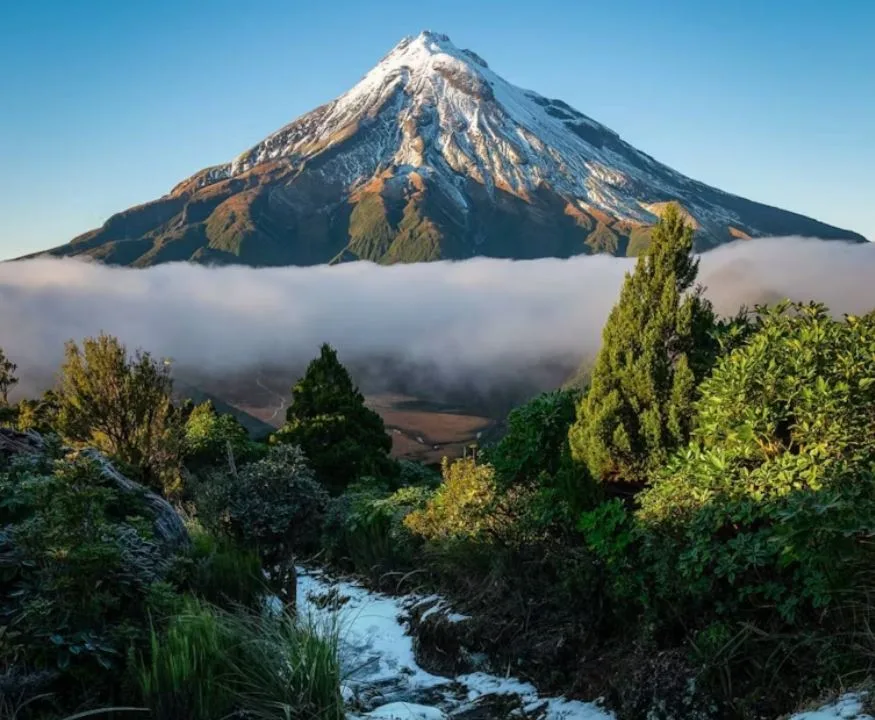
(430,156)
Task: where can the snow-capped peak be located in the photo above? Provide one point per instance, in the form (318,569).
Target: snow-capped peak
(431,107)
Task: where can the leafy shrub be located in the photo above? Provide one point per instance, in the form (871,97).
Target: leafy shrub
(531,451)
(122,406)
(209,436)
(276,504)
(365,528)
(776,493)
(79,569)
(411,473)
(273,505)
(460,508)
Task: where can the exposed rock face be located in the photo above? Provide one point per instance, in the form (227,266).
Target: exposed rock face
(432,155)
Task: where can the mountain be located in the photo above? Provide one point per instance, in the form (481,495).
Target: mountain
(430,156)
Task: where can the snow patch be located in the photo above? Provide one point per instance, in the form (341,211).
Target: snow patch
(848,707)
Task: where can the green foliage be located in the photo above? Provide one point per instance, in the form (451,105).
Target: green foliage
(39,415)
(411,473)
(219,571)
(536,440)
(342,438)
(656,346)
(7,377)
(209,437)
(771,502)
(460,507)
(78,567)
(184,674)
(273,505)
(212,664)
(121,406)
(364,528)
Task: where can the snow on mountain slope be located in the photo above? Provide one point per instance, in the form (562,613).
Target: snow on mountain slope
(431,155)
(454,116)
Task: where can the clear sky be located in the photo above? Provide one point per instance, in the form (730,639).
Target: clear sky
(106,104)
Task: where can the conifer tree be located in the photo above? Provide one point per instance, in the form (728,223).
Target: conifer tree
(342,438)
(656,346)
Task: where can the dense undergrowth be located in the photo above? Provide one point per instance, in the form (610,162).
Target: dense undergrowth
(688,535)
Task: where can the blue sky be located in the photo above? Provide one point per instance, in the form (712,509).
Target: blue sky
(104,105)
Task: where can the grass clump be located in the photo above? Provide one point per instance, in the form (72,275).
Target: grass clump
(210,663)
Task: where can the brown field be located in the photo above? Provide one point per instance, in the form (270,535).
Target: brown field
(427,434)
(420,430)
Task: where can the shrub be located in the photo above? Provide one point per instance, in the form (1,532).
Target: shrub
(121,406)
(460,508)
(531,451)
(79,569)
(364,528)
(209,436)
(411,473)
(774,496)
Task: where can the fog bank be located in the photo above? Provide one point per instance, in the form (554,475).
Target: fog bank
(485,318)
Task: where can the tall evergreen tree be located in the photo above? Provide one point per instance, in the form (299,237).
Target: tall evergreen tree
(656,346)
(343,439)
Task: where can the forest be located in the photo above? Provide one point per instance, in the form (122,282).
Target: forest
(687,535)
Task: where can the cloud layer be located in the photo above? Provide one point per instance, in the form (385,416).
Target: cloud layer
(492,318)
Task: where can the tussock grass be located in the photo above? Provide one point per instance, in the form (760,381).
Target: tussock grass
(210,663)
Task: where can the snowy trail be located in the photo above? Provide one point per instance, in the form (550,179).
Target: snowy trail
(382,680)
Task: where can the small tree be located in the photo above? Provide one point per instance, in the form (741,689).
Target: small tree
(121,406)
(657,345)
(209,436)
(7,377)
(343,439)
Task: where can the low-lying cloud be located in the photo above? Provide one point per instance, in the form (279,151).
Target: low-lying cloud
(484,318)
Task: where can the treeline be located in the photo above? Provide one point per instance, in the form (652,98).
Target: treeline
(688,535)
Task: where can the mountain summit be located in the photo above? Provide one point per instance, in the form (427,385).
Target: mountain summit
(432,155)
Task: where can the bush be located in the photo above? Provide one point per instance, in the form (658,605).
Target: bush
(411,473)
(531,451)
(753,544)
(364,528)
(774,497)
(273,506)
(80,571)
(209,437)
(460,506)
(122,406)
